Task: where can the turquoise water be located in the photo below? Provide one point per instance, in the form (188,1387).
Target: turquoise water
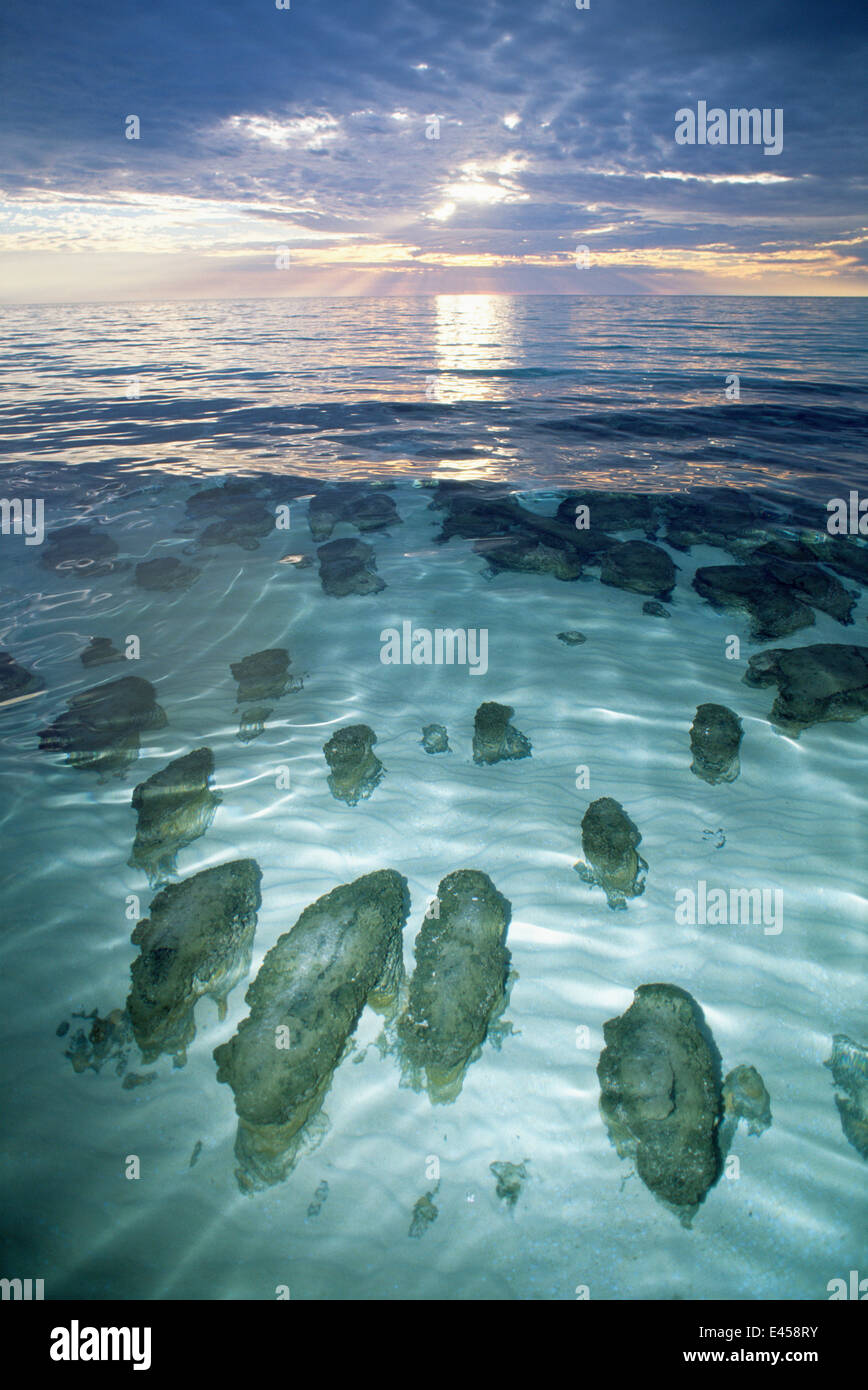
(115,416)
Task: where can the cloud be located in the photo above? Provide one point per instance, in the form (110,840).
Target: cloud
(313,128)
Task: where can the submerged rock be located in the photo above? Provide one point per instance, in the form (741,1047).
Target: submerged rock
(252,722)
(174,807)
(100,730)
(344,951)
(510,1178)
(494,738)
(816,684)
(842,554)
(241,517)
(100,651)
(107,1040)
(653,609)
(572,638)
(79,550)
(319,1197)
(745,1098)
(261,676)
(355,768)
(435,738)
(660,1095)
(348,567)
(530,555)
(459,985)
(512,537)
(775,610)
(264,675)
(812,585)
(609,841)
(715,738)
(366,508)
(640,567)
(424,1213)
(612,511)
(198,940)
(849,1066)
(17,683)
(166,575)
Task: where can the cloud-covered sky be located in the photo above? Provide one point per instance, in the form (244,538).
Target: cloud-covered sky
(428,146)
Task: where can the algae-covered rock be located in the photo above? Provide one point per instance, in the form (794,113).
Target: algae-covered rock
(849,1067)
(366,508)
(355,768)
(715,738)
(261,676)
(611,511)
(107,1040)
(100,730)
(174,808)
(425,1211)
(251,725)
(198,940)
(660,1095)
(264,675)
(344,951)
(166,575)
(844,554)
(17,683)
(745,1098)
(653,609)
(609,842)
(640,567)
(100,651)
(510,1178)
(459,985)
(435,738)
(824,682)
(240,516)
(572,638)
(775,609)
(348,566)
(530,555)
(77,550)
(494,738)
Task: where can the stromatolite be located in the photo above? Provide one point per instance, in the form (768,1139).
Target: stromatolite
(715,737)
(816,684)
(17,683)
(174,808)
(609,842)
(344,951)
(459,985)
(355,770)
(849,1067)
(660,1095)
(494,738)
(197,940)
(100,729)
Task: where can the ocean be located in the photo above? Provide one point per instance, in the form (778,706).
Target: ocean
(569,476)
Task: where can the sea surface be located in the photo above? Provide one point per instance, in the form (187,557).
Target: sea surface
(114,416)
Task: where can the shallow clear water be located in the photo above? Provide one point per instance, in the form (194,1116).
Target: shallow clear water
(538,395)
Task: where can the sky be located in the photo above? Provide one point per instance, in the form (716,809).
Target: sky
(348,147)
